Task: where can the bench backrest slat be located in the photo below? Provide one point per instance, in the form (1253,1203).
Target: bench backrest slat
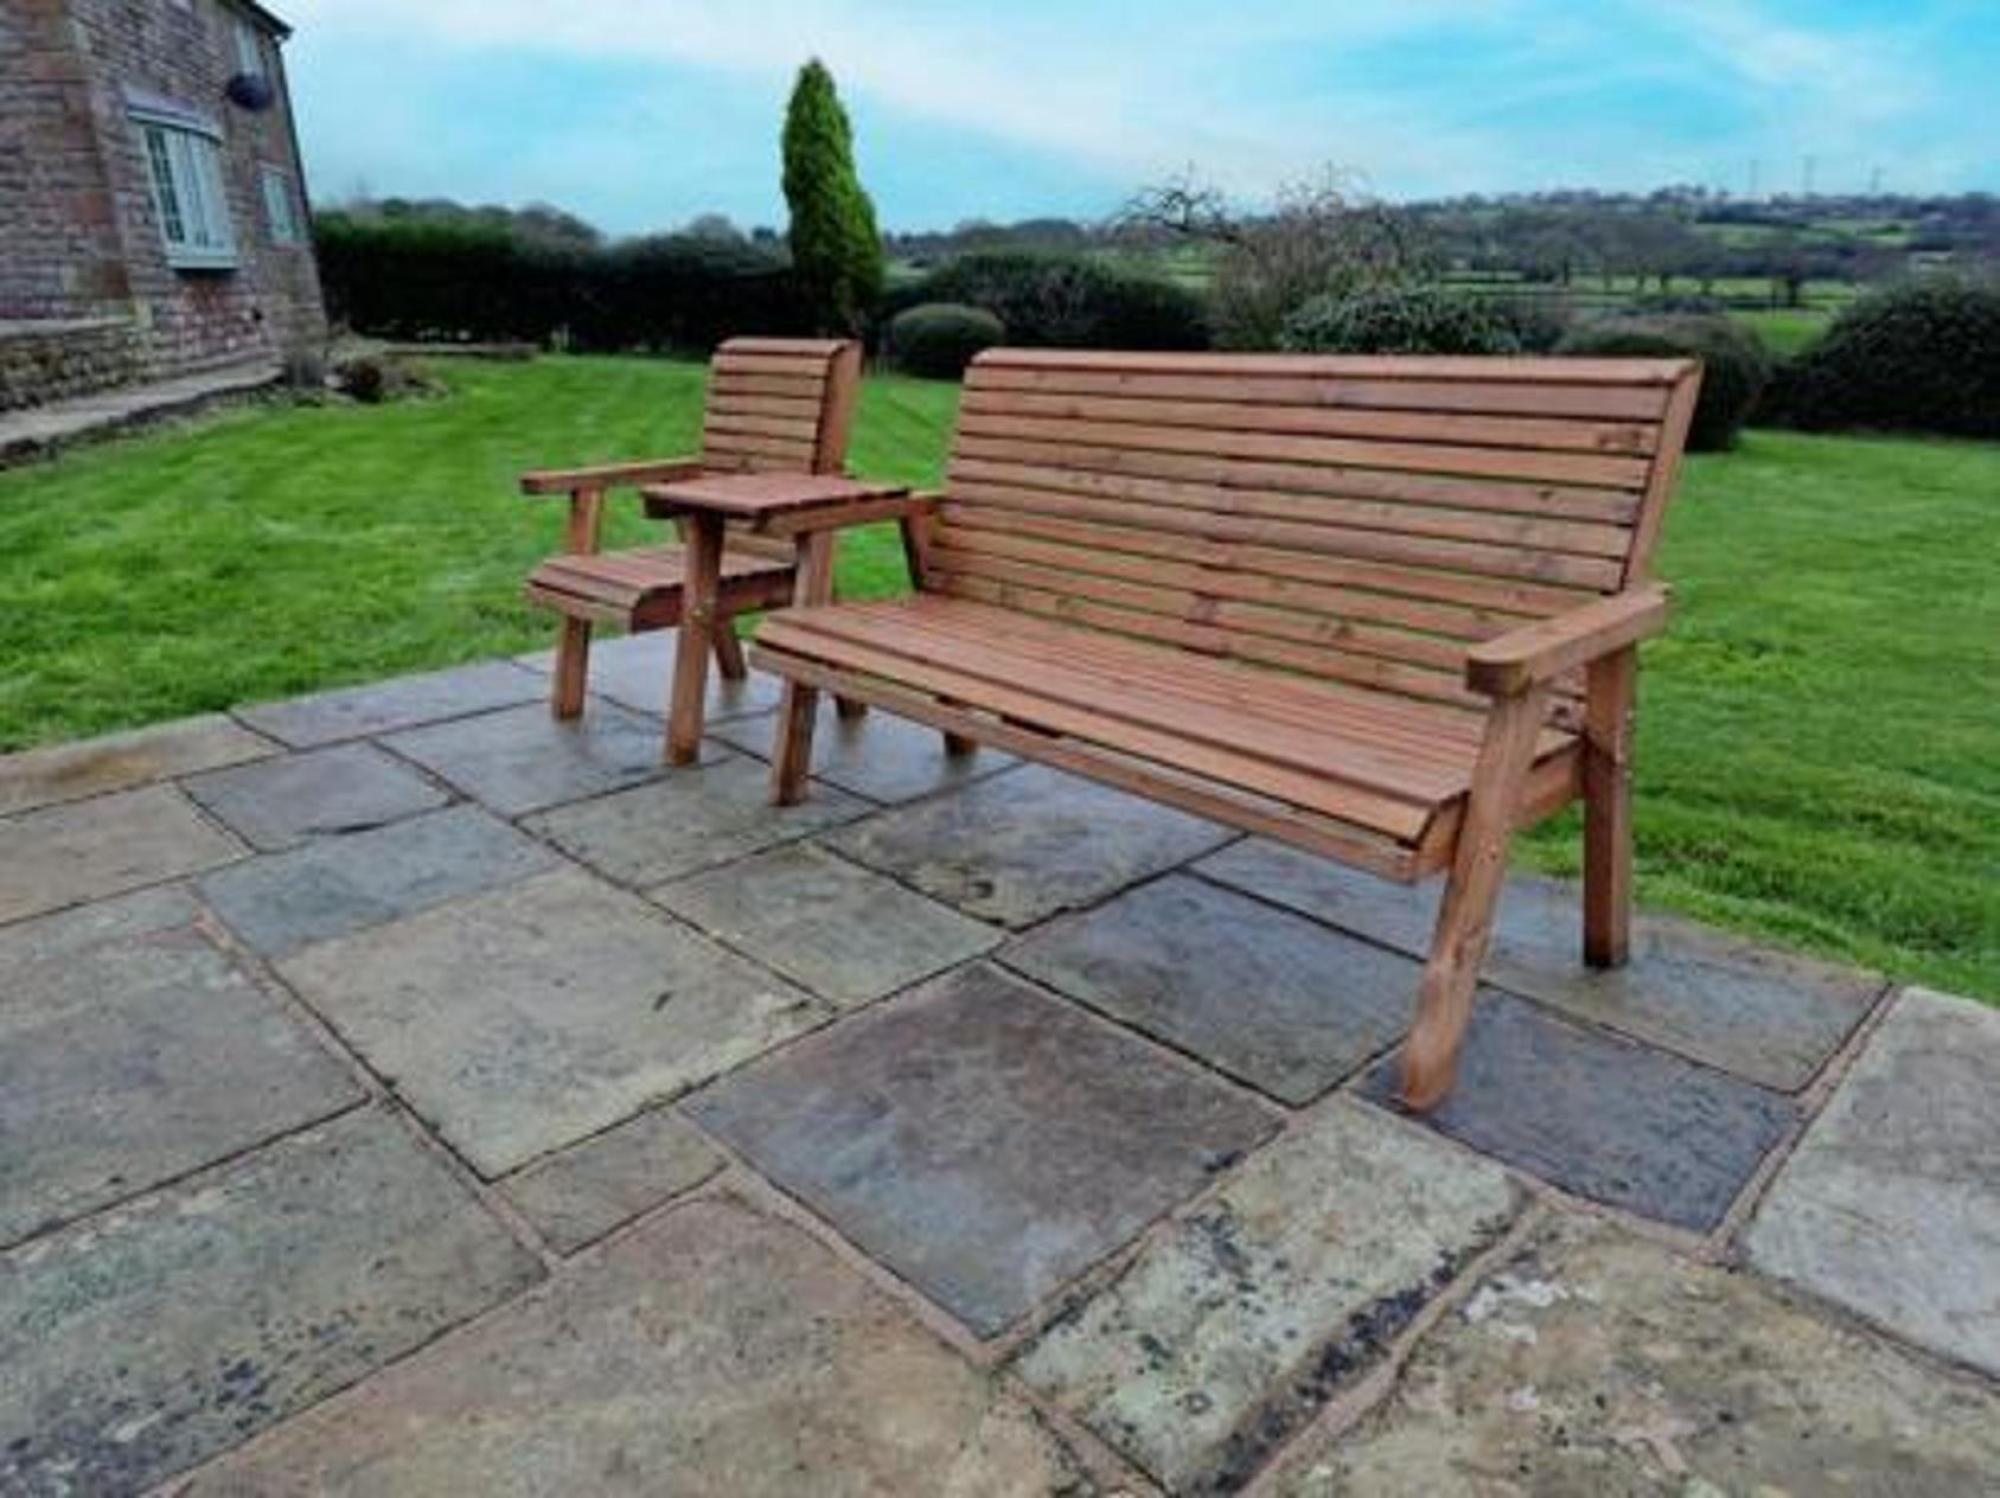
(780,403)
(1358,519)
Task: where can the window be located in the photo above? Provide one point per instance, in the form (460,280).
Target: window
(185,166)
(249,48)
(281,207)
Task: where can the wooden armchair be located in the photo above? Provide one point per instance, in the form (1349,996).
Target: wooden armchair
(773,404)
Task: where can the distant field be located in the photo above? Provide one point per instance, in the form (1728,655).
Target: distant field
(1785,331)
(1818,761)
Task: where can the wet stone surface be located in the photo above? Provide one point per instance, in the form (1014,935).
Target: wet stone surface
(845,932)
(384,706)
(134,1059)
(1602,1116)
(171,1329)
(713,1353)
(576,1196)
(879,755)
(980,1138)
(122,761)
(1599,1364)
(1026,844)
(1765,1016)
(523,760)
(281,802)
(1271,998)
(86,850)
(694,818)
(1229,1331)
(637,672)
(1890,1206)
(521,1020)
(285,901)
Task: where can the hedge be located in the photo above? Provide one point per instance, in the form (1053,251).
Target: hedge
(938,339)
(1404,320)
(1735,368)
(1067,301)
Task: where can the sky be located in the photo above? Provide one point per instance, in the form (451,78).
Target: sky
(640,114)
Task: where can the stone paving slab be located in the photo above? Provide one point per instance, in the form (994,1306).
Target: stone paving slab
(637,671)
(983,1140)
(1229,1330)
(880,756)
(845,932)
(1597,1363)
(166,1331)
(713,1353)
(1602,1116)
(123,761)
(285,901)
(70,932)
(279,803)
(1891,1204)
(521,1020)
(576,1196)
(1273,999)
(129,1062)
(1768,1017)
(86,850)
(520,759)
(694,818)
(385,706)
(1017,847)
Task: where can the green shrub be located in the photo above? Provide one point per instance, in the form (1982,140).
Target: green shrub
(1399,320)
(1070,301)
(938,339)
(1735,367)
(1538,323)
(1921,357)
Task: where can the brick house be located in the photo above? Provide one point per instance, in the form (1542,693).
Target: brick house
(152,204)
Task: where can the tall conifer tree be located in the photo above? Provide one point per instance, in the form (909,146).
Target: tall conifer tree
(836,248)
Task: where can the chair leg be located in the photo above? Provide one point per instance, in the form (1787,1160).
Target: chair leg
(729,651)
(849,709)
(572,669)
(1607,810)
(958,746)
(1465,917)
(791,753)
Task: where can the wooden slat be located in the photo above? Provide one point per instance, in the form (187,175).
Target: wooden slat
(1479,370)
(750,424)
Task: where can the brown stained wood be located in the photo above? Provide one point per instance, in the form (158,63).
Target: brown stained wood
(1472,893)
(843,389)
(1607,808)
(791,750)
(728,651)
(607,475)
(1660,488)
(692,645)
(586,519)
(566,689)
(1482,370)
(1540,651)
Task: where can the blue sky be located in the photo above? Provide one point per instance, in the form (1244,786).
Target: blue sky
(639,114)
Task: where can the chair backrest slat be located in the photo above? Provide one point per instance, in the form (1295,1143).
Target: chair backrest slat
(1360,519)
(780,403)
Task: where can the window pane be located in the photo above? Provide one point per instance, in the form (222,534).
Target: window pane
(164,196)
(215,196)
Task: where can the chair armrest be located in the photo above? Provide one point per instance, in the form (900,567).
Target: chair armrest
(609,476)
(1542,651)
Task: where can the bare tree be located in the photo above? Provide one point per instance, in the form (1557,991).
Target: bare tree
(1317,237)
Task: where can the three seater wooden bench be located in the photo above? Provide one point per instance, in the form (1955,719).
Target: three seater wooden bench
(774,404)
(1384,609)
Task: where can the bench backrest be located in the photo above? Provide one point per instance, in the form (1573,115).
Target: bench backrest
(780,403)
(1361,519)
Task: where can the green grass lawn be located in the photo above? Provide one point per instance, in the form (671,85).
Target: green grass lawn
(1820,734)
(1785,330)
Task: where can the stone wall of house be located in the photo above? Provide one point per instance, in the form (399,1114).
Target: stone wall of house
(86,242)
(52,359)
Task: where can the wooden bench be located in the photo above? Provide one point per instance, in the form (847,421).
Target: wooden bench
(1384,609)
(779,404)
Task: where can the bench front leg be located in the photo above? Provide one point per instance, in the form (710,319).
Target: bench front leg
(791,754)
(1607,808)
(1471,895)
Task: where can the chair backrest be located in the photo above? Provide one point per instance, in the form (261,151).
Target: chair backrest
(1360,519)
(780,403)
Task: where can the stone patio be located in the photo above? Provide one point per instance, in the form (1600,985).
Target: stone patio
(401,1093)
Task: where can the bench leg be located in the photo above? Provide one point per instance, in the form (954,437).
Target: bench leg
(791,753)
(1465,917)
(729,651)
(958,746)
(572,669)
(1607,809)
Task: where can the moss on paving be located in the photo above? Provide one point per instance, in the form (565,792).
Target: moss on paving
(1819,757)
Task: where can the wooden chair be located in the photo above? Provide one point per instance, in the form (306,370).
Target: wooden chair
(1384,609)
(773,403)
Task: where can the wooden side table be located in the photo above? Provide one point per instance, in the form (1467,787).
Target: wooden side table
(809,507)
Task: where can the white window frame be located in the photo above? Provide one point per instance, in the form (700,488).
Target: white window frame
(190,194)
(281,205)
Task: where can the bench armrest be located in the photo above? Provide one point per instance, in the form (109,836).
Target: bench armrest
(609,476)
(1542,651)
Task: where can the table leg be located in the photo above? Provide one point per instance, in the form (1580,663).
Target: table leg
(695,638)
(791,756)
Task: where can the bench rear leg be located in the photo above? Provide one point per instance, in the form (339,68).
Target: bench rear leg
(1471,895)
(1607,809)
(572,674)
